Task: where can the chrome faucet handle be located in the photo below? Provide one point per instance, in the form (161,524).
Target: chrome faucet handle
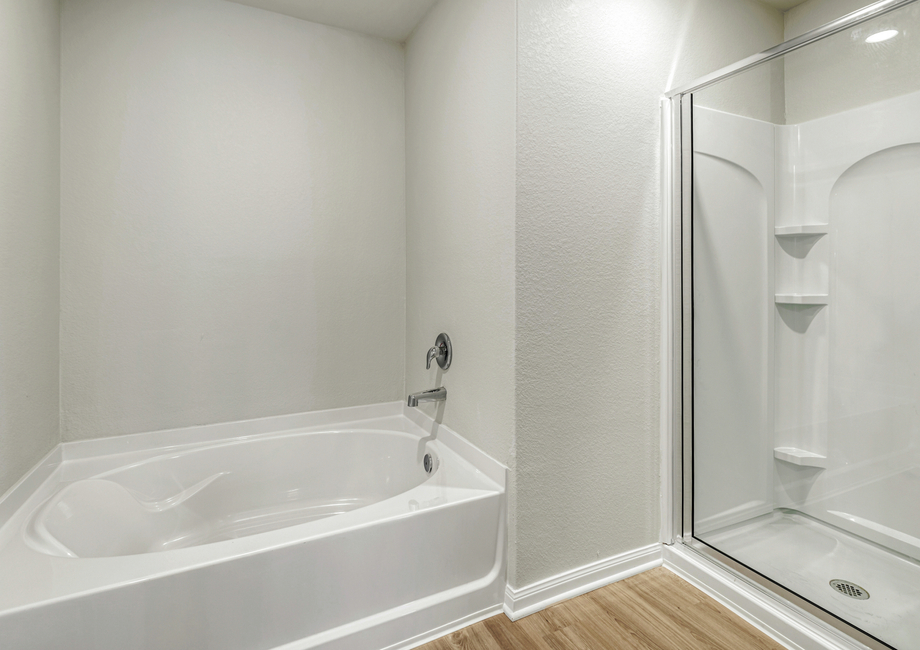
(441,352)
(433,353)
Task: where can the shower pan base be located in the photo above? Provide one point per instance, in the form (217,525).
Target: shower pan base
(805,555)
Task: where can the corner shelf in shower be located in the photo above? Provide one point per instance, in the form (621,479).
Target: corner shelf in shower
(811,230)
(801,299)
(800,457)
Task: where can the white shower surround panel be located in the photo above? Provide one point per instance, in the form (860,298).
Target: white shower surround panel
(425,554)
(733,204)
(859,172)
(843,391)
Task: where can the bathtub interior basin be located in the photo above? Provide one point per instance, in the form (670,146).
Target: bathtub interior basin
(319,531)
(225,491)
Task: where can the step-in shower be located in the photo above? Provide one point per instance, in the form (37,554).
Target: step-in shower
(794,225)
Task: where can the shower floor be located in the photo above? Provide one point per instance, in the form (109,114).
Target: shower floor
(804,555)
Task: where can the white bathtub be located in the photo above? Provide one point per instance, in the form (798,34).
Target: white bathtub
(319,530)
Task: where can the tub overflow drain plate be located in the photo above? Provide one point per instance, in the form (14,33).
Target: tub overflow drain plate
(850,589)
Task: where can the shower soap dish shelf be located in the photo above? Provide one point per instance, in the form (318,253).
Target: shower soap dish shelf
(810,230)
(801,298)
(800,457)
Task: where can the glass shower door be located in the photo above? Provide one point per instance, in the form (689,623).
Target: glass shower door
(806,323)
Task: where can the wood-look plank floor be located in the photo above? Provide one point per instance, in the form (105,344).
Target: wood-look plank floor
(654,610)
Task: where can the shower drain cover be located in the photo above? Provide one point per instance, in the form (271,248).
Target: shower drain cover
(850,589)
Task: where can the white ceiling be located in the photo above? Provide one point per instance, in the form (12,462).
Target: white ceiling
(390,19)
(783,5)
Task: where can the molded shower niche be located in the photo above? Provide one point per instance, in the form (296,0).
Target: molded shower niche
(801,258)
(802,252)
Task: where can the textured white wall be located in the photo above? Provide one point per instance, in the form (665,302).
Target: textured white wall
(29,196)
(590,75)
(843,71)
(460,90)
(232,216)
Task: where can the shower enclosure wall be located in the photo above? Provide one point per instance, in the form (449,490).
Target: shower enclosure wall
(796,193)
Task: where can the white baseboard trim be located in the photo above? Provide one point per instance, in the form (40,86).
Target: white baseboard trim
(540,595)
(782,622)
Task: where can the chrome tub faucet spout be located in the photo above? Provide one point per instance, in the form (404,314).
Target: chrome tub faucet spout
(432,395)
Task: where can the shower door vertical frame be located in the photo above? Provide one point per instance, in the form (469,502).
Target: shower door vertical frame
(685,244)
(677,332)
(677,321)
(671,380)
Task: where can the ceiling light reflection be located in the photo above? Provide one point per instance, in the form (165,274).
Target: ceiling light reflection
(878,37)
